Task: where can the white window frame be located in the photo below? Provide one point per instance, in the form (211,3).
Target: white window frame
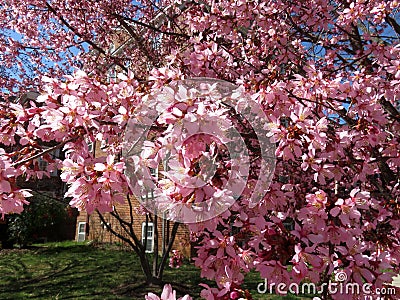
(112,48)
(81,236)
(90,146)
(145,235)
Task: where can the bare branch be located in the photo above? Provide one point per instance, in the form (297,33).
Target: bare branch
(392,22)
(21,162)
(151,26)
(90,42)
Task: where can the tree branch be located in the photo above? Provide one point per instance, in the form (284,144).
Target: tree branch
(120,236)
(139,41)
(392,22)
(21,162)
(90,42)
(150,26)
(168,249)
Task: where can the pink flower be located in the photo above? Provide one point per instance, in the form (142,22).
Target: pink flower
(176,259)
(167,294)
(318,200)
(347,210)
(395,68)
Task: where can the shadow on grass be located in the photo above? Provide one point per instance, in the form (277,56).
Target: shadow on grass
(82,272)
(73,272)
(87,272)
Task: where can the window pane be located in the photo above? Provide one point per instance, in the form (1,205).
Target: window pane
(147,236)
(81,227)
(150,232)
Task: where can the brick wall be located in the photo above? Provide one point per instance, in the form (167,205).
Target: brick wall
(97,231)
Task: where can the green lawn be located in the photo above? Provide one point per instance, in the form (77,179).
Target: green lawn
(79,271)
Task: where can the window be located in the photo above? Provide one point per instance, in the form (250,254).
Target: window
(150,192)
(90,146)
(104,144)
(112,75)
(149,236)
(112,49)
(157,42)
(285,121)
(289,224)
(81,232)
(42,163)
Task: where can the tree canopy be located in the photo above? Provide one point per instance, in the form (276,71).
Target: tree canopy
(324,75)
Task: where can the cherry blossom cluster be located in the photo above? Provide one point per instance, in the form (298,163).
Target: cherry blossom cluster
(176,259)
(167,294)
(12,198)
(194,145)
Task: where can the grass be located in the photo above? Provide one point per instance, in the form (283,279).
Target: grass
(72,270)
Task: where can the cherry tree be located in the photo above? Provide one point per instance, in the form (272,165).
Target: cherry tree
(318,80)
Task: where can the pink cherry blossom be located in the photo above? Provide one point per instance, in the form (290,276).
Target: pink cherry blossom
(167,294)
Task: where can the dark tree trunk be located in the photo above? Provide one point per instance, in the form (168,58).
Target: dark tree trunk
(155,259)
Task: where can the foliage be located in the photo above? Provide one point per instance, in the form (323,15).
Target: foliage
(44,217)
(324,76)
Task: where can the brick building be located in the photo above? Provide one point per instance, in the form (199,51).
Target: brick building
(91,227)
